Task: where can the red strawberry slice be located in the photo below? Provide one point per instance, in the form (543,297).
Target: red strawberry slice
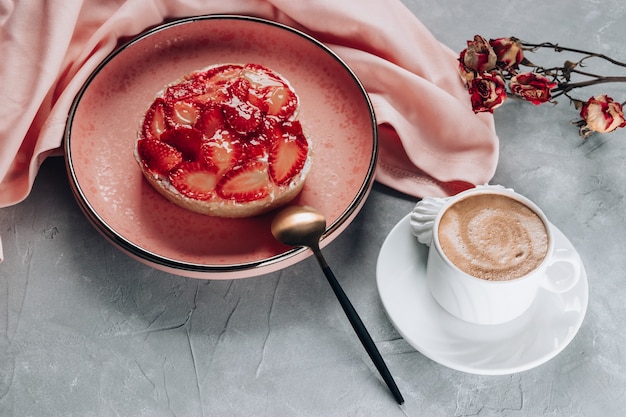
(157,156)
(223,150)
(222,73)
(195,180)
(193,85)
(248,92)
(183,112)
(217,80)
(242,116)
(255,146)
(155,122)
(277,98)
(288,151)
(281,102)
(185,139)
(245,183)
(240,88)
(261,76)
(211,120)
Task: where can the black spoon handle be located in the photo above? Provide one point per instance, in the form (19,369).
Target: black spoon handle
(359,328)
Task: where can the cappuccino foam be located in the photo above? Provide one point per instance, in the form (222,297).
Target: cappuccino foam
(493,237)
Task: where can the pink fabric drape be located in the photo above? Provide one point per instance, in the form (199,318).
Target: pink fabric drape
(429,134)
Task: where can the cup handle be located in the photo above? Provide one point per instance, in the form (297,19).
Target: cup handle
(562,282)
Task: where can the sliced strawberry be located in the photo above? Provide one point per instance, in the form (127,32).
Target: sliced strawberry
(255,146)
(240,88)
(193,85)
(157,156)
(217,81)
(185,139)
(183,112)
(155,123)
(257,97)
(242,116)
(288,151)
(195,180)
(261,76)
(215,93)
(211,120)
(273,94)
(248,92)
(281,102)
(224,150)
(245,183)
(293,127)
(222,72)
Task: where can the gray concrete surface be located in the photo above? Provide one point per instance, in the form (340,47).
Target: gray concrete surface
(87,331)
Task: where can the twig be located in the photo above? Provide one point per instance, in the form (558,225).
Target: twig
(558,48)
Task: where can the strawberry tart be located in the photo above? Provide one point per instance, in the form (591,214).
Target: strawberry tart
(225,141)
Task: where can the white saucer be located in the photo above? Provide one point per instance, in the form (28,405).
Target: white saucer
(524,343)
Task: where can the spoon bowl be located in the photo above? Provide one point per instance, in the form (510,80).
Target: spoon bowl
(299,226)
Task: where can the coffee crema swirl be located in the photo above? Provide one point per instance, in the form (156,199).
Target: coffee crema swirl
(493,237)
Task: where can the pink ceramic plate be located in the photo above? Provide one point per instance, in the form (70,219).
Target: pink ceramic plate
(335,112)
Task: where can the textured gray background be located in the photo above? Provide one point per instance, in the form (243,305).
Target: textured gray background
(87,331)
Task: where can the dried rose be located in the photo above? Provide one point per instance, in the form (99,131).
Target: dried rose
(508,51)
(479,55)
(532,87)
(487,91)
(466,73)
(602,114)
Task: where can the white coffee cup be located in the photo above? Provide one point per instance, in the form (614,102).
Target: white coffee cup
(487,301)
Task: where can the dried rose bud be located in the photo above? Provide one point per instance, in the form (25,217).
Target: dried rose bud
(602,114)
(508,51)
(532,87)
(487,92)
(479,55)
(466,73)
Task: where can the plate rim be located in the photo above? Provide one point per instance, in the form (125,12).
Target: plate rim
(200,268)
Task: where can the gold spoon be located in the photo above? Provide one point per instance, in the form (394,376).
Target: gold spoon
(304,226)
